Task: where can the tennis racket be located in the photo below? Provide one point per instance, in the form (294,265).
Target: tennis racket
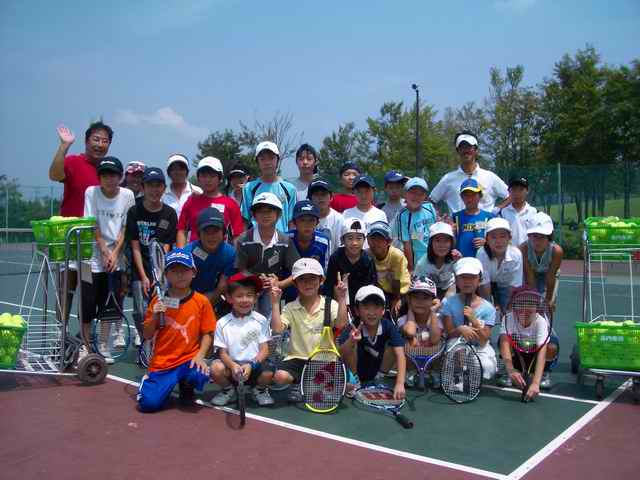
(111,331)
(379,399)
(157,254)
(278,349)
(422,356)
(241,391)
(528,327)
(324,377)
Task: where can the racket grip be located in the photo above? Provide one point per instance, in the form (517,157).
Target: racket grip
(404,421)
(161,320)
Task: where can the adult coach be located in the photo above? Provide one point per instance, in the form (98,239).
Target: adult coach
(448,188)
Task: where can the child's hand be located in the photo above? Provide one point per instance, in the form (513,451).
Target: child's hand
(146,285)
(200,364)
(398,391)
(456,254)
(341,287)
(246,371)
(395,307)
(266,280)
(516,378)
(534,390)
(356,334)
(159,307)
(469,333)
(479,242)
(469,313)
(435,305)
(276,294)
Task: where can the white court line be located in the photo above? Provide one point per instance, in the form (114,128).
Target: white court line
(541,394)
(552,446)
(349,441)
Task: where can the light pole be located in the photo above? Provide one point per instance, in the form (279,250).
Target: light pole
(417,89)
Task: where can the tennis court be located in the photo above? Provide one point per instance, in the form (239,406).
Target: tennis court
(58,428)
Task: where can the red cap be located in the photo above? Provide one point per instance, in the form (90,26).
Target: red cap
(246,278)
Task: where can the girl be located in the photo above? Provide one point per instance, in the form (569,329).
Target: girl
(238,176)
(437,264)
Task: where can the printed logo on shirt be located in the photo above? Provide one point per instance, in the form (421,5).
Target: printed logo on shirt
(146,231)
(218,206)
(274,259)
(250,337)
(200,253)
(164,224)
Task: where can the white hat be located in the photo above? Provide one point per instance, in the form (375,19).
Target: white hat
(177,157)
(369,290)
(304,266)
(469,265)
(541,223)
(354,225)
(267,198)
(497,224)
(211,162)
(441,228)
(423,284)
(470,139)
(272,147)
(416,182)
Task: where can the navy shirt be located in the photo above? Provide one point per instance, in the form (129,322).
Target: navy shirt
(318,249)
(211,265)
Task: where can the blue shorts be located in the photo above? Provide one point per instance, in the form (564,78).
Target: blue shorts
(156,387)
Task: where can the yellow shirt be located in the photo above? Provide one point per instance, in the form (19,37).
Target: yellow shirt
(392,267)
(306,328)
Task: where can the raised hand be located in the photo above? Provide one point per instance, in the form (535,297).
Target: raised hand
(342,287)
(66,136)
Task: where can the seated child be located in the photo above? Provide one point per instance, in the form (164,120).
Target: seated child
(438,263)
(182,322)
(242,338)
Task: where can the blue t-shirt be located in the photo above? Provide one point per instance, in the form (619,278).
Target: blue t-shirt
(470,227)
(414,227)
(453,307)
(282,189)
(211,265)
(318,249)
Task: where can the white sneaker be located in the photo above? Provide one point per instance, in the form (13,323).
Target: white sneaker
(120,341)
(137,341)
(262,396)
(82,352)
(227,395)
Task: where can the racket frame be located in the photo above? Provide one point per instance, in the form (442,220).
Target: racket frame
(426,360)
(392,409)
(111,304)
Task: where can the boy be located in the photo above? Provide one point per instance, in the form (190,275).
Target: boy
(109,204)
(330,222)
(471,222)
(365,188)
(342,201)
(148,220)
(363,347)
(237,179)
(413,221)
(242,338)
(391,265)
(180,188)
(268,158)
(182,322)
(518,213)
(305,318)
(307,162)
(393,186)
(265,251)
(309,242)
(210,175)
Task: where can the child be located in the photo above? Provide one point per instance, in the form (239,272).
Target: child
(479,313)
(305,318)
(413,221)
(351,261)
(364,187)
(210,175)
(307,162)
(330,222)
(134,177)
(363,348)
(148,220)
(470,222)
(180,188)
(391,265)
(268,158)
(265,251)
(236,181)
(393,186)
(309,242)
(437,264)
(342,201)
(109,204)
(182,322)
(518,213)
(242,338)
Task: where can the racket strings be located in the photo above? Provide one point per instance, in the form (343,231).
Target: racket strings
(323,381)
(462,374)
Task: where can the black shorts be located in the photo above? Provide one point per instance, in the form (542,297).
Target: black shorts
(94,295)
(528,358)
(255,373)
(293,367)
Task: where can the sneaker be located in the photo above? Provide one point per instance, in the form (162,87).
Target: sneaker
(410,380)
(436,381)
(458,387)
(187,393)
(119,340)
(137,341)
(104,351)
(504,381)
(82,352)
(546,383)
(295,395)
(262,396)
(225,396)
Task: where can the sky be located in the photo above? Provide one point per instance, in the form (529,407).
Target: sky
(164,74)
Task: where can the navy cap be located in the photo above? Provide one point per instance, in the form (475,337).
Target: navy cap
(520,181)
(349,166)
(153,174)
(394,176)
(210,217)
(318,184)
(178,256)
(364,179)
(110,164)
(305,207)
(380,228)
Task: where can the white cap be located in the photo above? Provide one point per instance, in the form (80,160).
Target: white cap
(367,291)
(497,224)
(267,198)
(212,163)
(416,182)
(441,228)
(177,157)
(467,265)
(354,225)
(305,266)
(470,139)
(272,147)
(541,223)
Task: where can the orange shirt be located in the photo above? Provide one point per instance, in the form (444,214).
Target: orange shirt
(179,340)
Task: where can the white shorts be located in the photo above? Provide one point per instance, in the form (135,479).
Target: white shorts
(487,356)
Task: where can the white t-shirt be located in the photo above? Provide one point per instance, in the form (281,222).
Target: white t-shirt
(331,225)
(176,203)
(373,215)
(241,337)
(538,330)
(301,188)
(507,274)
(111,218)
(448,189)
(519,221)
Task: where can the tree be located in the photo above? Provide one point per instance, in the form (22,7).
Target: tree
(347,144)
(468,117)
(227,147)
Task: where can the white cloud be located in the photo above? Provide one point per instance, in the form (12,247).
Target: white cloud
(163,117)
(514,6)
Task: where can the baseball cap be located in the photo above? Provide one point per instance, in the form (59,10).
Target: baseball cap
(272,147)
(349,166)
(541,223)
(416,182)
(497,224)
(354,225)
(210,217)
(441,228)
(153,174)
(318,184)
(465,137)
(471,184)
(244,278)
(521,181)
(266,198)
(394,176)
(178,256)
(305,207)
(468,265)
(238,169)
(177,157)
(364,179)
(370,291)
(423,284)
(306,266)
(110,164)
(135,167)
(211,162)
(380,228)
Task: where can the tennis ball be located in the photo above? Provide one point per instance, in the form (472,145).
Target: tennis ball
(5,319)
(19,321)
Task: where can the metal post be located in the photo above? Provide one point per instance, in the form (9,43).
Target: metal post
(560,199)
(6,211)
(417,89)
